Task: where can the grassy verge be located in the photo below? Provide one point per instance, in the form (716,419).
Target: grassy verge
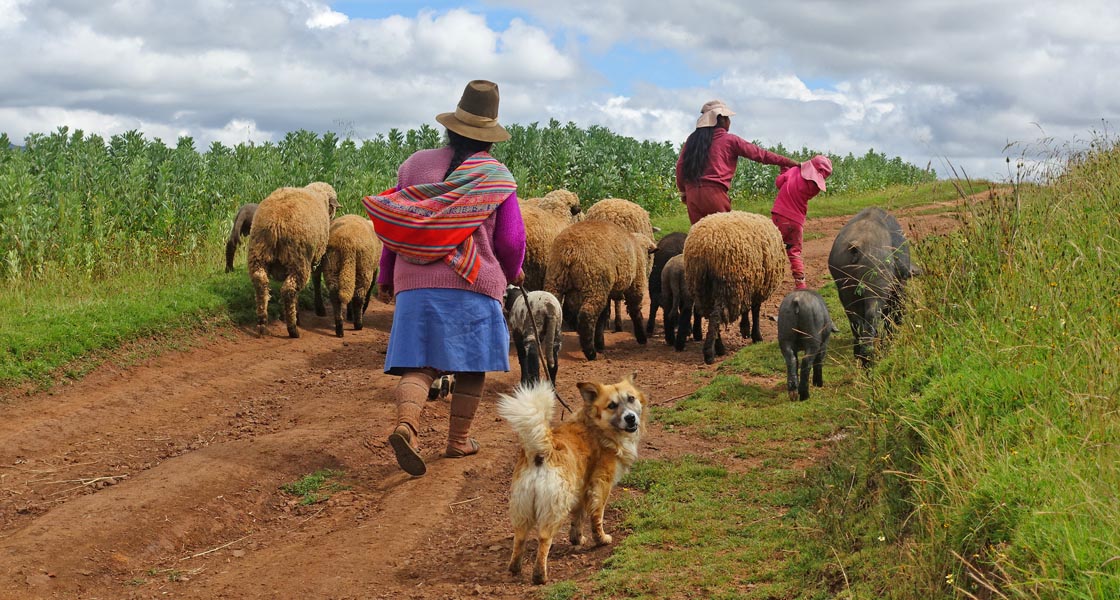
(988,452)
(62,326)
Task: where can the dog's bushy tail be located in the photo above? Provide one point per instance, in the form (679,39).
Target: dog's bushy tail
(529,412)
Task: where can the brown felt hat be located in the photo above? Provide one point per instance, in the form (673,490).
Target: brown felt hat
(476,117)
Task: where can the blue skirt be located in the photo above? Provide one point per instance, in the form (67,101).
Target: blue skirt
(449,330)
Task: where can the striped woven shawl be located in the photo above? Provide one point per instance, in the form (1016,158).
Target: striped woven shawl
(432,221)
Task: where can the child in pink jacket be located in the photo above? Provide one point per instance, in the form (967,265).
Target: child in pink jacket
(795,187)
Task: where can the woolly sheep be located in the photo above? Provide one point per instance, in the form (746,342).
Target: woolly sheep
(242,224)
(667,247)
(289,235)
(870,263)
(534,328)
(544,219)
(591,263)
(733,262)
(677,302)
(350,264)
(804,325)
(627,215)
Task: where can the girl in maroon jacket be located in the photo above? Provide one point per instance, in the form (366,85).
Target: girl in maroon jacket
(708,160)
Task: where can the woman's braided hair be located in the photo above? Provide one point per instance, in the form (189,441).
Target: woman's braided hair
(464,148)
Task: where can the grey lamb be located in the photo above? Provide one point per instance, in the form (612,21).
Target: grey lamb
(676,300)
(544,312)
(804,325)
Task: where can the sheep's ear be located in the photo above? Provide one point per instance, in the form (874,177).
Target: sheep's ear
(588,390)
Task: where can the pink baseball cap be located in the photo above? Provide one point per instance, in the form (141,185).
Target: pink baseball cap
(817,169)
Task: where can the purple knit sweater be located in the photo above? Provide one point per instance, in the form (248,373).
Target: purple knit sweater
(500,240)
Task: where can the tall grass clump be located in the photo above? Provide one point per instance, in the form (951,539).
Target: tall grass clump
(991,446)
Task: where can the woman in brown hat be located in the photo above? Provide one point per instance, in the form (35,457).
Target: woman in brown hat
(453,238)
(708,160)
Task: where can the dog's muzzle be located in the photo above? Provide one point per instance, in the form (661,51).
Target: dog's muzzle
(630,422)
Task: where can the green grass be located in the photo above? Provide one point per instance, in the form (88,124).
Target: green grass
(735,522)
(315,487)
(52,330)
(988,451)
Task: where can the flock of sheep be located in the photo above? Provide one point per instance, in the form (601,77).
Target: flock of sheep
(577,263)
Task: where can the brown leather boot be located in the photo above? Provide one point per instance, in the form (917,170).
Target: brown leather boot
(464,403)
(411,392)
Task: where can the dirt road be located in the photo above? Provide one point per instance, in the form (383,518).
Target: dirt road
(163,479)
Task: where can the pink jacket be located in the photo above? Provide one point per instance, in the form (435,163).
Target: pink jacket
(724,156)
(794,192)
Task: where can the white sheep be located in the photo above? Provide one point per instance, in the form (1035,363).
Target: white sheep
(733,262)
(627,215)
(349,266)
(591,263)
(289,235)
(534,328)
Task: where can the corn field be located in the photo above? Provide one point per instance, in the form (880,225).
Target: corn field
(77,204)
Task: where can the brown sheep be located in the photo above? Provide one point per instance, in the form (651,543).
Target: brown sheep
(591,263)
(289,235)
(544,219)
(242,225)
(350,265)
(733,262)
(627,215)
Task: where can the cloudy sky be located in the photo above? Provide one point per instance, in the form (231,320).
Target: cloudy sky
(929,81)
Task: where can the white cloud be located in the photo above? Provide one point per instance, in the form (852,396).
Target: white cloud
(322,17)
(929,80)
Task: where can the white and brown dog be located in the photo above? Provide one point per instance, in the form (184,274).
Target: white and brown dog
(569,471)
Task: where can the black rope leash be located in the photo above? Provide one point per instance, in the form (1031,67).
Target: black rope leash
(540,350)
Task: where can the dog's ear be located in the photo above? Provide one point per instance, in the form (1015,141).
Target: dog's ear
(632,377)
(588,390)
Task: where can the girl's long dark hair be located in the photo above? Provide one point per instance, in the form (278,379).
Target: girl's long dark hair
(696,149)
(464,148)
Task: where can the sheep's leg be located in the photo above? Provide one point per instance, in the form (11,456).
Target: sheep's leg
(617,316)
(682,324)
(634,307)
(712,337)
(289,295)
(533,361)
(670,316)
(336,311)
(654,303)
(756,332)
(356,306)
(260,285)
(317,282)
(362,285)
(522,357)
(601,326)
(555,364)
(586,329)
(790,356)
(697,325)
(745,324)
